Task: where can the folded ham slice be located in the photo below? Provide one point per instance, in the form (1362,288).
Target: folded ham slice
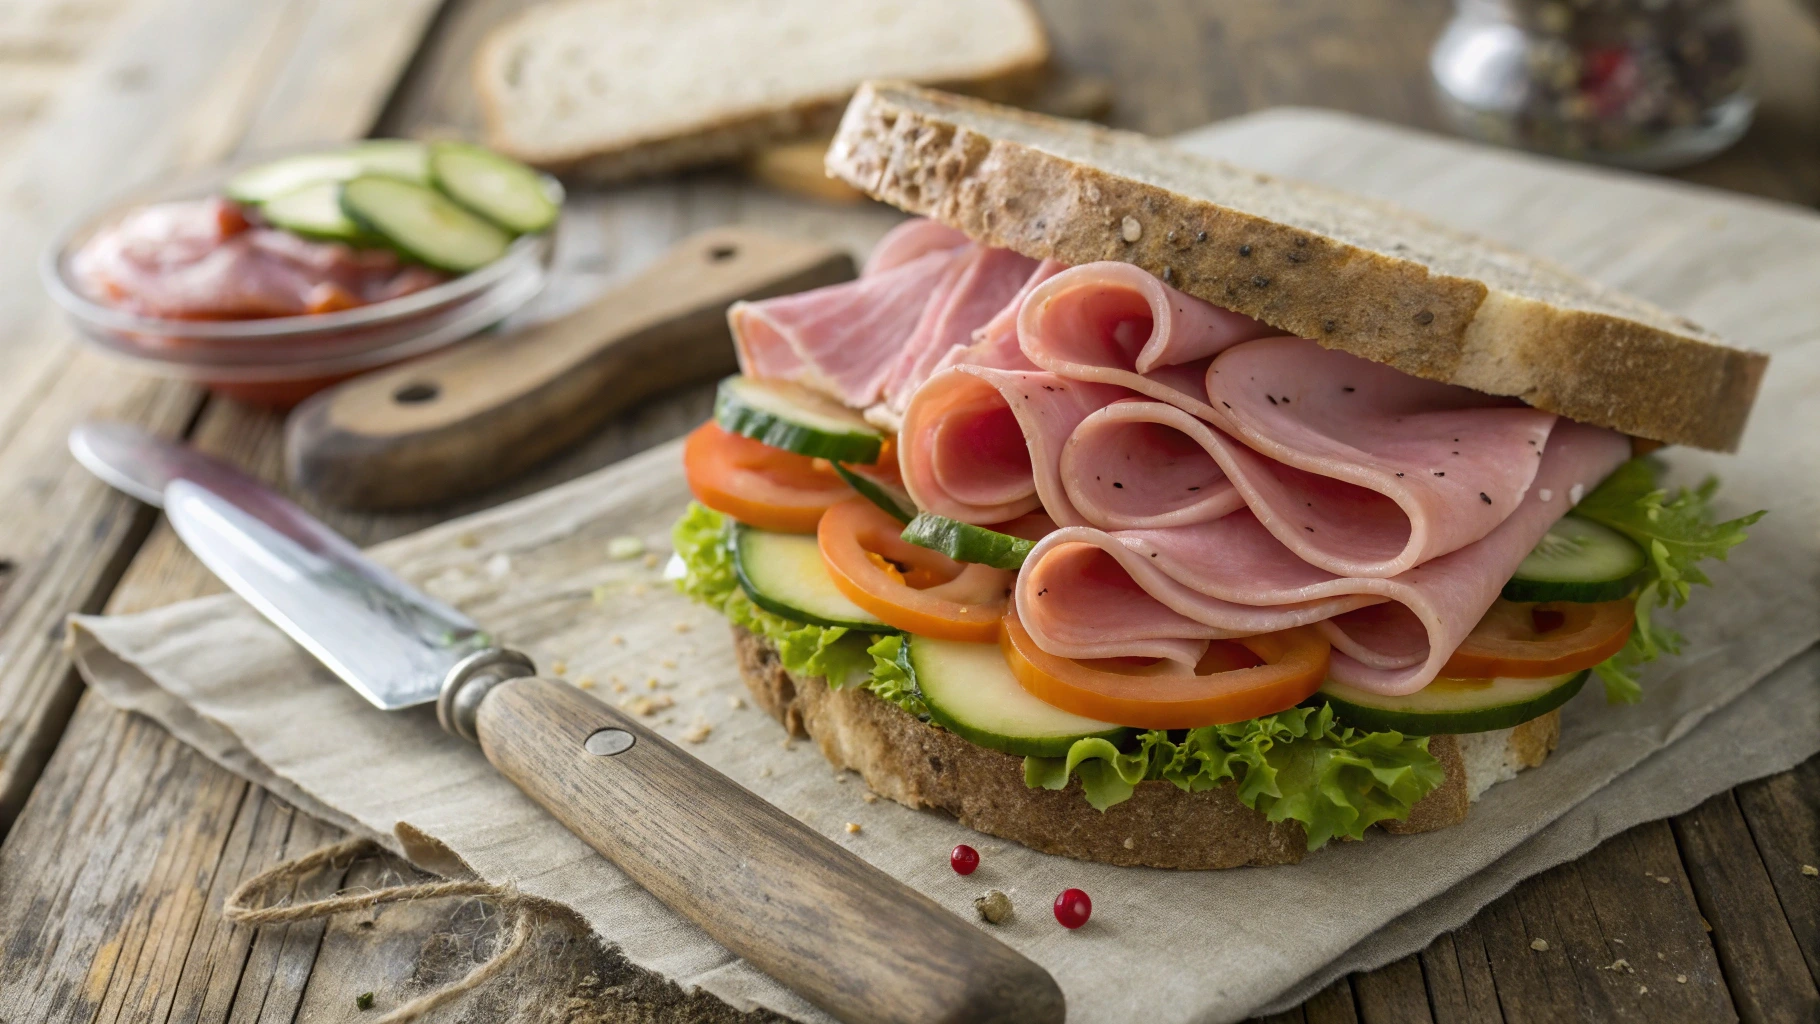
(843,340)
(1231,576)
(984,446)
(916,237)
(1113,323)
(995,344)
(978,284)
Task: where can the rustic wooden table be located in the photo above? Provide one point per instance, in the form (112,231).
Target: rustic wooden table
(120,843)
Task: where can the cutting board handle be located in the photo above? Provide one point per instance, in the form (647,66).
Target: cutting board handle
(840,932)
(486,410)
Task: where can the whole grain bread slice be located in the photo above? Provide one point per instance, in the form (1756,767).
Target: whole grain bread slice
(921,765)
(1352,273)
(605,90)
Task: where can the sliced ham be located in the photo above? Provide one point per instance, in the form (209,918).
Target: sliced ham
(984,446)
(977,285)
(1364,470)
(1113,323)
(1137,464)
(995,344)
(843,340)
(1231,576)
(916,237)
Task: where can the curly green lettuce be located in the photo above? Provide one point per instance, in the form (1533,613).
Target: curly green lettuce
(1296,765)
(1676,530)
(842,657)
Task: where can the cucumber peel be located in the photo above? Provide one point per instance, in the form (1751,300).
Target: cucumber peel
(971,692)
(893,500)
(1578,560)
(787,415)
(965,542)
(1452,705)
(784,574)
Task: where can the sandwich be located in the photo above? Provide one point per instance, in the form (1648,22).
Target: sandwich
(1143,509)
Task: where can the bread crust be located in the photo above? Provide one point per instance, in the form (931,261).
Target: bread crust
(923,766)
(1351,273)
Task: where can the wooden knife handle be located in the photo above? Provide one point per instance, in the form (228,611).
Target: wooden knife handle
(492,407)
(843,934)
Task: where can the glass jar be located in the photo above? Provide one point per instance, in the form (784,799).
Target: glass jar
(1646,84)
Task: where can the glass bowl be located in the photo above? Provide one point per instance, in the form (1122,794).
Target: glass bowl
(279,361)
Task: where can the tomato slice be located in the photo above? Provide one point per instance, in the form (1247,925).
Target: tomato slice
(1529,641)
(1229,685)
(913,588)
(757,484)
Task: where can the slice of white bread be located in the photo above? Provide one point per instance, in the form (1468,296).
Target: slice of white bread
(613,89)
(1352,273)
(921,765)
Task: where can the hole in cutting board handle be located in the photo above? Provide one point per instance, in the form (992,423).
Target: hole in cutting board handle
(723,253)
(416,393)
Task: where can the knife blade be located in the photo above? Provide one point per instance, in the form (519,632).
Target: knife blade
(815,916)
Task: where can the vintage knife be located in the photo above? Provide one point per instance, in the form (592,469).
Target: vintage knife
(845,935)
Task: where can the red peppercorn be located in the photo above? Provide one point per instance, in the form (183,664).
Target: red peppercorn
(1073,908)
(964,859)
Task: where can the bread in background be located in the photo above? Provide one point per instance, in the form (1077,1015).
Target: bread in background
(604,90)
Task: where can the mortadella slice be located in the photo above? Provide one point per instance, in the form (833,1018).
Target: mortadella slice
(842,340)
(1113,323)
(1231,576)
(983,446)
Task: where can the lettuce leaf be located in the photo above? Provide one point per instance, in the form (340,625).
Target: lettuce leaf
(1676,530)
(840,656)
(1296,765)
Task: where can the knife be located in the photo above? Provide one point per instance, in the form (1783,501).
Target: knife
(846,936)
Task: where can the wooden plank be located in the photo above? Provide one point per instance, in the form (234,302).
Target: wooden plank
(1763,963)
(1783,812)
(1393,994)
(67,536)
(1461,989)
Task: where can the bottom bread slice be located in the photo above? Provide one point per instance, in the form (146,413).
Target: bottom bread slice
(922,765)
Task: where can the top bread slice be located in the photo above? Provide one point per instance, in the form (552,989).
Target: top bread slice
(1354,274)
(613,89)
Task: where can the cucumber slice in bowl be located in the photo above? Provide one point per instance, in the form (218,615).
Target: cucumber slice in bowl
(1452,705)
(423,223)
(965,542)
(394,158)
(314,211)
(1578,560)
(784,574)
(789,416)
(970,691)
(894,500)
(502,190)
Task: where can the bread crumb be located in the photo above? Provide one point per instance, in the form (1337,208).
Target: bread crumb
(651,683)
(618,687)
(787,745)
(765,772)
(585,683)
(853,828)
(736,702)
(1662,957)
(647,706)
(1680,979)
(1664,879)
(638,589)
(468,540)
(682,627)
(669,663)
(650,561)
(559,667)
(1619,964)
(621,548)
(1809,870)
(840,776)
(1642,990)
(1539,945)
(869,797)
(698,732)
(1704,923)
(499,566)
(1130,230)
(1129,843)
(617,640)
(994,907)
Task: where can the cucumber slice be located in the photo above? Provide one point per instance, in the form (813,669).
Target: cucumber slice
(314,211)
(894,500)
(970,691)
(423,223)
(791,417)
(395,158)
(965,542)
(1578,560)
(502,190)
(1453,705)
(783,573)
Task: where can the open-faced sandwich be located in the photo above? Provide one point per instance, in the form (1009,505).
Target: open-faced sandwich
(1143,509)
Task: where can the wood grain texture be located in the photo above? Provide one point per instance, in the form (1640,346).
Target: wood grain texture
(459,422)
(840,932)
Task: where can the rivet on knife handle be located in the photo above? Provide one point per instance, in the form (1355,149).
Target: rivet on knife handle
(484,411)
(845,935)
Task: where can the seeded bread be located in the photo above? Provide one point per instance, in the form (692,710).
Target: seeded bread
(921,765)
(612,89)
(1354,274)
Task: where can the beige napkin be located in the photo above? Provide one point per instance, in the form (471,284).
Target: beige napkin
(1170,946)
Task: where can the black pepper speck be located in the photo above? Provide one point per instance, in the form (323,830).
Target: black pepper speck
(1486,498)
(1260,281)
(1244,250)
